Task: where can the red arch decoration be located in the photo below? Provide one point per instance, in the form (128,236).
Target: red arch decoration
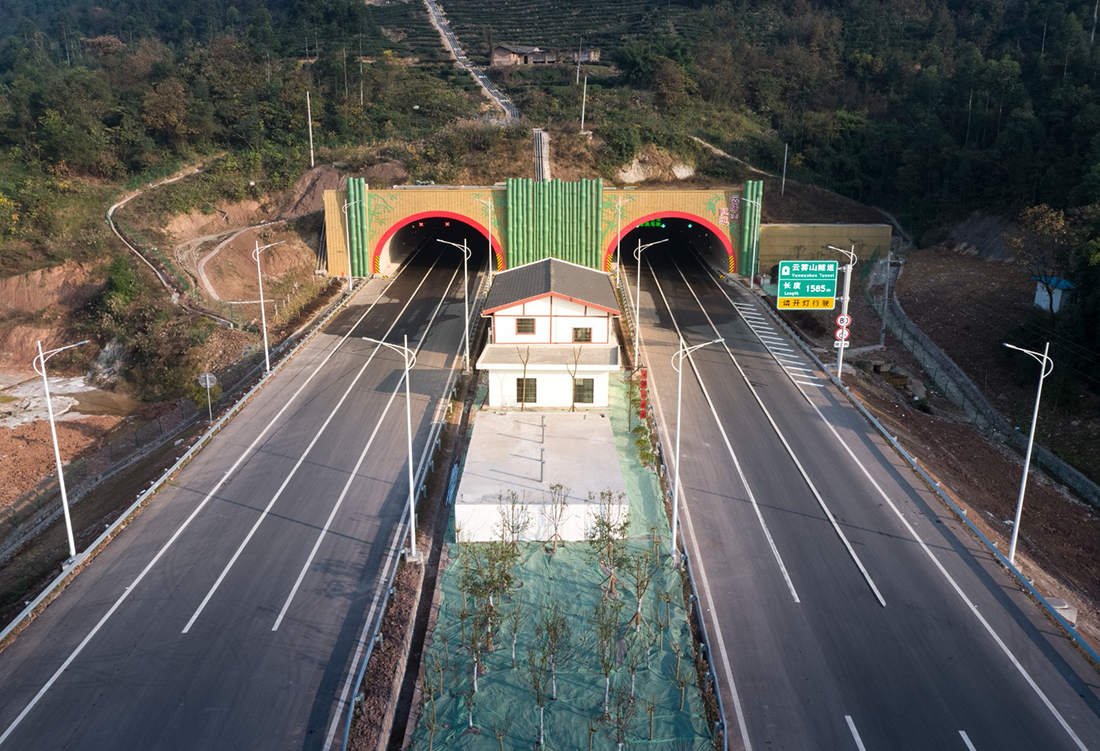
(374,258)
(723,236)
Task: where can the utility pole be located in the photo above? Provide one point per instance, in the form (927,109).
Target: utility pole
(584,102)
(579,46)
(309,117)
(783,185)
(885,299)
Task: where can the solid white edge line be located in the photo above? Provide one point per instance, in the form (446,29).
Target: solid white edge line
(966,740)
(179,531)
(399,536)
(855,733)
(783,439)
(954,585)
(301,460)
(729,448)
(358,464)
(701,568)
(337,716)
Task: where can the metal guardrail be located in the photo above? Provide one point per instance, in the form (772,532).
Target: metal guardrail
(696,609)
(424,465)
(190,454)
(1066,626)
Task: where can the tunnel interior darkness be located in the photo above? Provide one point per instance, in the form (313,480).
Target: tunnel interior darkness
(684,237)
(426,233)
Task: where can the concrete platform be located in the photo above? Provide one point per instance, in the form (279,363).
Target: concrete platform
(527,452)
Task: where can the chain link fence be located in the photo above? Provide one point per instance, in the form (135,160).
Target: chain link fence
(961,391)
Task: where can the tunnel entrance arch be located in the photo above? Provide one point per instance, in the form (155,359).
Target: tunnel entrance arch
(719,250)
(385,257)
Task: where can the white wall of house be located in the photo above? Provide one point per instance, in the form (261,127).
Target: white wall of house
(554,318)
(477,520)
(554,388)
(1045,301)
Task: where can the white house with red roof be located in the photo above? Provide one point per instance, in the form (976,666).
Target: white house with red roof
(552,342)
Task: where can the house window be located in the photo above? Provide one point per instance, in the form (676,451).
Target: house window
(584,391)
(525,325)
(526,390)
(582,335)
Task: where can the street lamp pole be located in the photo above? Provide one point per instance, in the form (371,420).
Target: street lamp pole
(263,314)
(638,295)
(1048,367)
(410,360)
(465,293)
(851,254)
(40,368)
(347,233)
(678,366)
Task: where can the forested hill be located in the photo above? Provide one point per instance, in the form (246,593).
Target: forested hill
(928,107)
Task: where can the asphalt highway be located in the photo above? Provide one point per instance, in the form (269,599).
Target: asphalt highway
(851,611)
(228,614)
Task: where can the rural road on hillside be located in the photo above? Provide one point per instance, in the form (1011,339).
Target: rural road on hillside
(227,614)
(852,611)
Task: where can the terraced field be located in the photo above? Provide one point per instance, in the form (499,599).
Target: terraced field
(551,23)
(410,32)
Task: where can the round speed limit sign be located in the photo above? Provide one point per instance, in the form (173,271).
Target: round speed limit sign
(843,320)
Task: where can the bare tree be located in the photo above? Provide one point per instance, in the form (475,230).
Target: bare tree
(605,627)
(607,535)
(515,620)
(595,719)
(554,631)
(622,715)
(556,512)
(650,703)
(573,377)
(538,674)
(434,670)
(501,726)
(469,700)
(644,570)
(524,357)
(683,678)
(635,650)
(514,518)
(431,720)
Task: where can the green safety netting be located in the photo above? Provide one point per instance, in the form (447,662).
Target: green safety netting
(571,579)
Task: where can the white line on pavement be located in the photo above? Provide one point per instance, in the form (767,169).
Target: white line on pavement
(943,571)
(301,460)
(786,445)
(351,676)
(179,531)
(855,733)
(354,472)
(742,727)
(966,740)
(729,448)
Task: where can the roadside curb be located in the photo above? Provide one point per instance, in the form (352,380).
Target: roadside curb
(81,561)
(1070,631)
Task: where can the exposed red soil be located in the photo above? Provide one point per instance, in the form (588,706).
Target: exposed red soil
(26,451)
(965,305)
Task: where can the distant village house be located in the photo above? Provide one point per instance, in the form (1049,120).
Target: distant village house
(1052,292)
(506,55)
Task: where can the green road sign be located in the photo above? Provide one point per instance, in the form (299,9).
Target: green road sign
(807,285)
